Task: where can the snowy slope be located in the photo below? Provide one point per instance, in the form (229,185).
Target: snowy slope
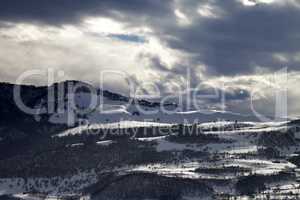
(106,110)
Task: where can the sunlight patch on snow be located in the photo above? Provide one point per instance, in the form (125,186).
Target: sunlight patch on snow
(150,139)
(105,143)
(242,150)
(183,170)
(121,125)
(263,167)
(77,145)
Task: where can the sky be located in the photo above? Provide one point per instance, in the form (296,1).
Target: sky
(248,50)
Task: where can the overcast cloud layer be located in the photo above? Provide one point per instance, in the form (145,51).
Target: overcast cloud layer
(237,42)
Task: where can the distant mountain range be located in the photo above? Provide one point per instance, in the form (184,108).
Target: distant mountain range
(56,113)
(109,106)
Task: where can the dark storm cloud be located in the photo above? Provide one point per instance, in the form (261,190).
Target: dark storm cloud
(242,38)
(218,95)
(235,42)
(193,78)
(177,71)
(57,12)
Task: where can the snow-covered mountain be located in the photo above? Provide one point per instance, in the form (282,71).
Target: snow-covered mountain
(158,151)
(226,160)
(73,102)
